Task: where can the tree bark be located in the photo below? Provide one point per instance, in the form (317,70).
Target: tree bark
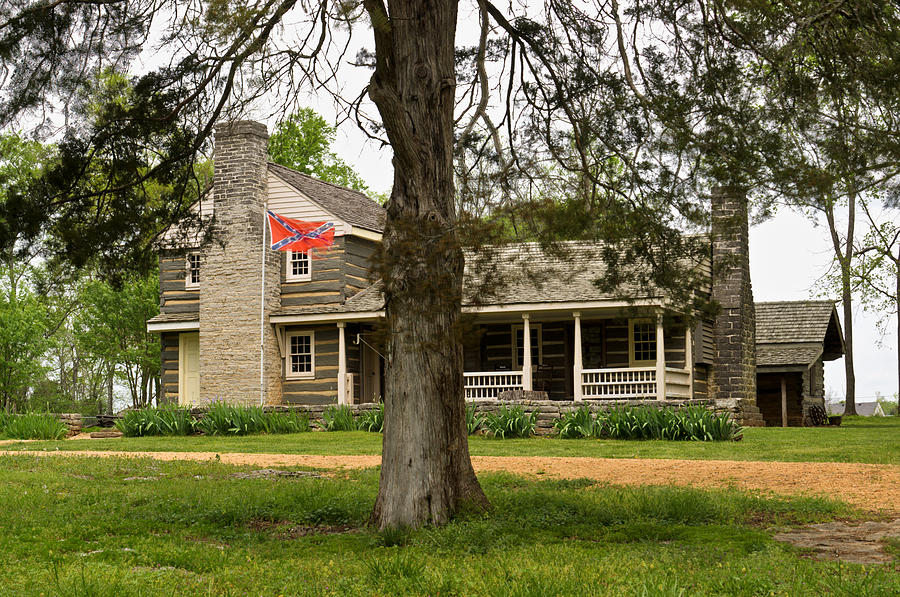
(426,472)
(844,256)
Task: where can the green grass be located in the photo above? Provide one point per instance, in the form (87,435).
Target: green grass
(872,440)
(74,526)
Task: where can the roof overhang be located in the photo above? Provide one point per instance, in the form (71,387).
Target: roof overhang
(172,326)
(326,317)
(364,233)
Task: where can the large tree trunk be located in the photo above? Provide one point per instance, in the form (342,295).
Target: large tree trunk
(426,473)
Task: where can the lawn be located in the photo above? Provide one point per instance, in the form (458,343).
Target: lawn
(859,439)
(74,526)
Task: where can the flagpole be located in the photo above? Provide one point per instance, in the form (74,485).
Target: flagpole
(262,302)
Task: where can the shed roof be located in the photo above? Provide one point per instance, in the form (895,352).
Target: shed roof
(349,205)
(797,333)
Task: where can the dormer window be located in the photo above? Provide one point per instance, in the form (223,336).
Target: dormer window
(192,279)
(299,266)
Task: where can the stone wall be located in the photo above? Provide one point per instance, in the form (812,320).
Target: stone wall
(732,381)
(231,271)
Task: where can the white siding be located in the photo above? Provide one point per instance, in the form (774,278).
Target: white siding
(287,201)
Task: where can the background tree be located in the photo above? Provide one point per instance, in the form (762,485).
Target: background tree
(303,142)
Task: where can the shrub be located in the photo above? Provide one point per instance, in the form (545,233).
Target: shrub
(372,420)
(338,418)
(166,420)
(289,422)
(473,421)
(34,426)
(226,419)
(692,423)
(510,422)
(577,424)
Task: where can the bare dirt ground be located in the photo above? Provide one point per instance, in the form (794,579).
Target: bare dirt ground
(873,487)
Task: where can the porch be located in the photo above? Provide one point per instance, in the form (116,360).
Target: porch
(600,356)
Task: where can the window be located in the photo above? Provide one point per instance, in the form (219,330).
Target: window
(519,345)
(299,266)
(192,279)
(301,358)
(642,342)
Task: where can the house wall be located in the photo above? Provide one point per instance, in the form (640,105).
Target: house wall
(287,201)
(326,284)
(322,389)
(169,367)
(173,297)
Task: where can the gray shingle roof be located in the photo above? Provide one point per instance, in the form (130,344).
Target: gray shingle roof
(792,321)
(797,333)
(785,355)
(351,206)
(170,317)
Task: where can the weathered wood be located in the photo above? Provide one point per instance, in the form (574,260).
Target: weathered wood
(306,301)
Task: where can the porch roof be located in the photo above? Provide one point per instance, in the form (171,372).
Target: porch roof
(797,333)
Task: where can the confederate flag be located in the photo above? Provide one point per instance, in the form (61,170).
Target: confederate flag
(297,235)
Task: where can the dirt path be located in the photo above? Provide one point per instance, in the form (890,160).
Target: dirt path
(868,486)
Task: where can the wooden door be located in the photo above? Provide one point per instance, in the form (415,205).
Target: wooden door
(189,369)
(371,375)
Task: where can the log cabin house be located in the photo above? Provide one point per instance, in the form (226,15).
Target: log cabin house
(242,323)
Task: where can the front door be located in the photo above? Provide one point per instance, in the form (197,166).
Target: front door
(371,375)
(189,368)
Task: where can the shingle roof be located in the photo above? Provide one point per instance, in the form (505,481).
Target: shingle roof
(792,321)
(785,355)
(796,333)
(170,317)
(351,206)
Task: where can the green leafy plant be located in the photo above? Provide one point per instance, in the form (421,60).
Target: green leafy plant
(227,419)
(692,423)
(338,418)
(372,420)
(510,422)
(473,421)
(289,422)
(34,426)
(166,420)
(577,424)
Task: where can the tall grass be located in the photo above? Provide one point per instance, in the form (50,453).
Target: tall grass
(33,426)
(167,420)
(338,418)
(372,420)
(510,422)
(220,419)
(473,421)
(692,423)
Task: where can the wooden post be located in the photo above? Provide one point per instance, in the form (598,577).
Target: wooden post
(783,401)
(689,359)
(526,353)
(660,360)
(578,359)
(342,364)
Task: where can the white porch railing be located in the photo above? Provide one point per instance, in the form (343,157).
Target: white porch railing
(489,384)
(635,382)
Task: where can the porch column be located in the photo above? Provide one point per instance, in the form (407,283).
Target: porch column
(578,360)
(689,358)
(783,401)
(526,353)
(660,360)
(342,365)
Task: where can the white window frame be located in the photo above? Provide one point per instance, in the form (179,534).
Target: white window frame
(536,339)
(189,284)
(311,374)
(289,268)
(632,361)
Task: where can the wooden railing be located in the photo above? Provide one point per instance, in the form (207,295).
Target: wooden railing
(610,384)
(489,384)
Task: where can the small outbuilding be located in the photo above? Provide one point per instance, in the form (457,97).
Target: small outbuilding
(793,339)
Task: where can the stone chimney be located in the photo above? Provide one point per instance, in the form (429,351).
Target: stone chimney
(733,379)
(231,275)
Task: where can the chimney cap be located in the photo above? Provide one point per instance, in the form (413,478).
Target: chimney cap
(240,128)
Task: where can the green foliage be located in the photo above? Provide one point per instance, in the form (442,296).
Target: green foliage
(338,418)
(227,419)
(169,420)
(33,426)
(577,424)
(474,421)
(372,420)
(692,423)
(510,422)
(289,422)
(303,142)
